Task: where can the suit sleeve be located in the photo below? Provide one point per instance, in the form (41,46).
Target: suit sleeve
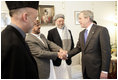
(53,46)
(38,52)
(105,49)
(75,50)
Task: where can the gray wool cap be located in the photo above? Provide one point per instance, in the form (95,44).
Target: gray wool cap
(58,16)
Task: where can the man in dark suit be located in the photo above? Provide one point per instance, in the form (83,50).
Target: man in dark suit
(62,37)
(16,59)
(94,43)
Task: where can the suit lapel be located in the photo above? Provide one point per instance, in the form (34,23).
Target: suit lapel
(92,31)
(44,40)
(37,40)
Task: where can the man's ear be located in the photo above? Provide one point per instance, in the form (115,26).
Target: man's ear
(24,17)
(88,18)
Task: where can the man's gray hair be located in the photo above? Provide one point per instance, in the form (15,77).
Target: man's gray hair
(88,13)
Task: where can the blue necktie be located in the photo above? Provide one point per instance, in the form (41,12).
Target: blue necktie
(85,35)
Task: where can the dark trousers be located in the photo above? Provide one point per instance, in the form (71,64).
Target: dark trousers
(85,76)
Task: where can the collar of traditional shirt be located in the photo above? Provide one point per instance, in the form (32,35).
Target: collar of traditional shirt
(36,35)
(39,37)
(20,30)
(89,27)
(60,31)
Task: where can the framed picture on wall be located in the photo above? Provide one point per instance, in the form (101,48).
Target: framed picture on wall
(46,14)
(76,15)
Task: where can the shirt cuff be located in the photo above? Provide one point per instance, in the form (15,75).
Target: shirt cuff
(105,72)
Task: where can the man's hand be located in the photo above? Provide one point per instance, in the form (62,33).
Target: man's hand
(103,75)
(62,54)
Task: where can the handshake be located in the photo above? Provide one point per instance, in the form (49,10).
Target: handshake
(62,54)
